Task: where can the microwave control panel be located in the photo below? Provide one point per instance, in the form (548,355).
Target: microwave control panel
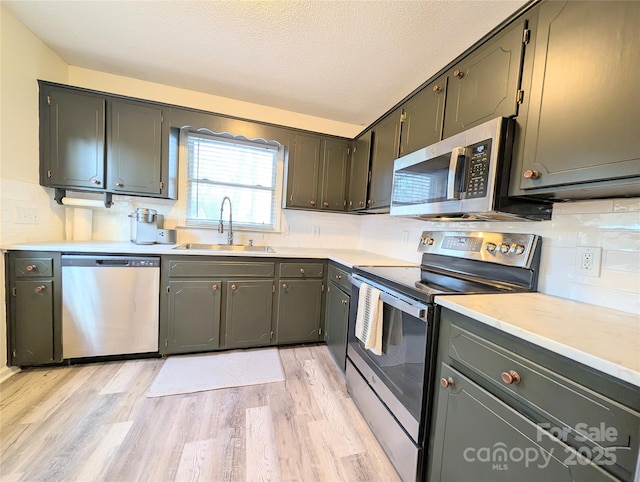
(477,172)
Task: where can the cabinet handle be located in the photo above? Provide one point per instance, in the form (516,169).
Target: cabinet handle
(326,204)
(31,267)
(312,202)
(446,382)
(234,288)
(510,377)
(301,270)
(437,89)
(95,181)
(285,286)
(214,287)
(39,289)
(458,73)
(531,174)
(119,184)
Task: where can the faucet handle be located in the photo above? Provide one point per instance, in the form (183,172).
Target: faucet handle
(251,242)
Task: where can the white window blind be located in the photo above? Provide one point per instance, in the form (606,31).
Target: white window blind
(245,171)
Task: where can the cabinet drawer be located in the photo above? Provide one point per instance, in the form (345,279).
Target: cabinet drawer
(571,410)
(301,270)
(195,268)
(340,277)
(34,267)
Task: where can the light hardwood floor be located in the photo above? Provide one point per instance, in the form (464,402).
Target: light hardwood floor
(94,422)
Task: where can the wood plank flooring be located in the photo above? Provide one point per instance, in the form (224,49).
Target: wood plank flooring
(94,423)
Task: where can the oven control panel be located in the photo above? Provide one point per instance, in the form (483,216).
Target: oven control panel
(512,249)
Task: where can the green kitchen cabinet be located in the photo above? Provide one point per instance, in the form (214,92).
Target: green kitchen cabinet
(300,296)
(422,117)
(193,316)
(336,320)
(95,142)
(486,83)
(359,172)
(385,147)
(317,172)
(248,305)
(521,398)
(581,134)
(34,308)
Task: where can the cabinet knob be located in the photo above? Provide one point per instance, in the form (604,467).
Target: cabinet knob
(361,203)
(285,286)
(31,267)
(326,204)
(214,287)
(370,202)
(437,89)
(95,181)
(531,174)
(510,377)
(39,289)
(312,202)
(344,302)
(446,382)
(301,270)
(234,288)
(119,184)
(458,73)
(338,276)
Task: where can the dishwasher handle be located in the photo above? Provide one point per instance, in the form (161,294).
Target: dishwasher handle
(113,262)
(74,260)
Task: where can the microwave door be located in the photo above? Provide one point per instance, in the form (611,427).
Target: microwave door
(455,180)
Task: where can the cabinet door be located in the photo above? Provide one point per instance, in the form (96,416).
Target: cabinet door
(334,174)
(75,150)
(32,323)
(248,313)
(303,168)
(299,311)
(479,438)
(134,148)
(336,323)
(386,145)
(423,115)
(359,178)
(193,316)
(485,84)
(584,109)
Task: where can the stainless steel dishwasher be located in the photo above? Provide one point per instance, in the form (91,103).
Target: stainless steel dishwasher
(110,305)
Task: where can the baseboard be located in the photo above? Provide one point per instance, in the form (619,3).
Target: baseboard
(7,372)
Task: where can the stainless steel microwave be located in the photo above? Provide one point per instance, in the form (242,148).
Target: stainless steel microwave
(465,176)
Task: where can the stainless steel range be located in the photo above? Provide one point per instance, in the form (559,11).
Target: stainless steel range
(393,389)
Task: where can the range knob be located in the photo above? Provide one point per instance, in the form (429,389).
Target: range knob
(516,249)
(504,248)
(491,247)
(426,241)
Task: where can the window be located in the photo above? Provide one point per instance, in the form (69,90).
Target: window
(246,171)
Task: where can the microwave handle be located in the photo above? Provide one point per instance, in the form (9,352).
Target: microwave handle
(456,171)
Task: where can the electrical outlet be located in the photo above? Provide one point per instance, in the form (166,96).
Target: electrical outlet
(588,261)
(26,216)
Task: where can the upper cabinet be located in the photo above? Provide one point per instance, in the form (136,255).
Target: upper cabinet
(317,169)
(385,147)
(95,142)
(581,135)
(359,176)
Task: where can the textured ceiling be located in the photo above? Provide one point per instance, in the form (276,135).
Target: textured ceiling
(348,61)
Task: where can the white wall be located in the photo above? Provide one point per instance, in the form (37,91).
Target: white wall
(23,60)
(612,224)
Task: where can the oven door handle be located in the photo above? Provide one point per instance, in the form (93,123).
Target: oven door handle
(417,310)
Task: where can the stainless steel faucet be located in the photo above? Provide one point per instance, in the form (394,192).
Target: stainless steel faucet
(221,225)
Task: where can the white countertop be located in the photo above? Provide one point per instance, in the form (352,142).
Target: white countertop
(605,339)
(347,257)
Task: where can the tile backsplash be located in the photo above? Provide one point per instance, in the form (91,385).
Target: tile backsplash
(611,224)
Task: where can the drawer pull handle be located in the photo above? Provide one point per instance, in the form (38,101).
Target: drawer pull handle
(39,289)
(302,270)
(446,382)
(510,377)
(32,267)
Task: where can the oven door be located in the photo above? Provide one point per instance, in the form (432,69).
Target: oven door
(398,375)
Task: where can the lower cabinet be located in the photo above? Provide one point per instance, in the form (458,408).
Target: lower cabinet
(336,322)
(505,409)
(193,316)
(34,308)
(248,313)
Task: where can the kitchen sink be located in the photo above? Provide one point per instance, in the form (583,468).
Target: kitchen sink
(227,247)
